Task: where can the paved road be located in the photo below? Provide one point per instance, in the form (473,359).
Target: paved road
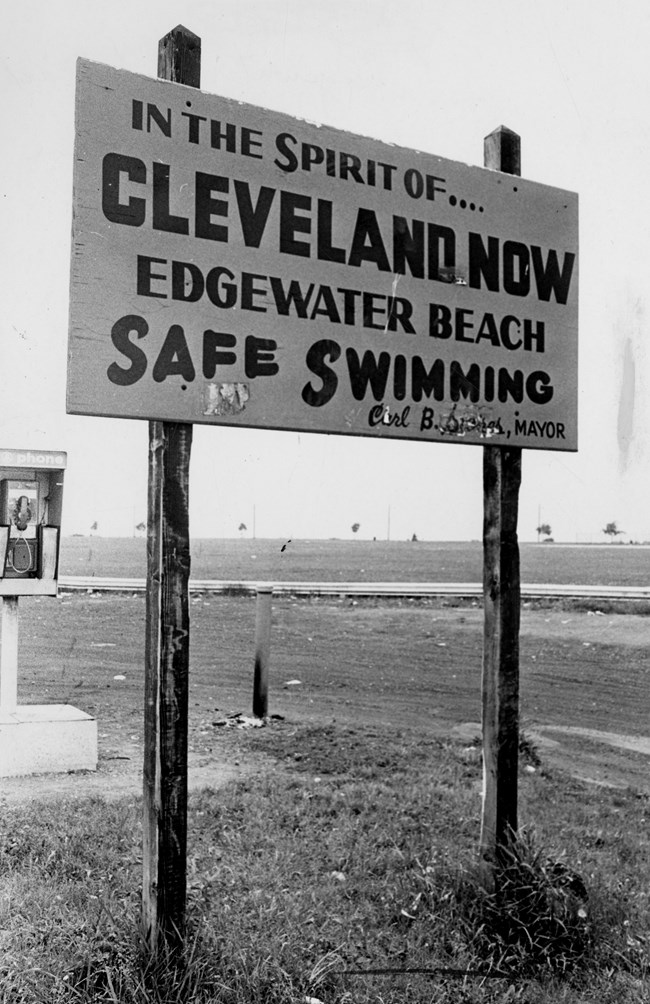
(81,583)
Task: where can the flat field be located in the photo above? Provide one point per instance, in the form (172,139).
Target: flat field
(363,561)
(401,664)
(335,840)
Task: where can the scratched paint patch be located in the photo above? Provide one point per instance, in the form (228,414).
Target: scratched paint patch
(470,420)
(222,399)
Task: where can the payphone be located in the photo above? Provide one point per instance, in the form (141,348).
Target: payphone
(34,738)
(19,512)
(31,494)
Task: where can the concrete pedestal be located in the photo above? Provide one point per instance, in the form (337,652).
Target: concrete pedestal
(46,739)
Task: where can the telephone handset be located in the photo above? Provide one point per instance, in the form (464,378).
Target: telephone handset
(21,513)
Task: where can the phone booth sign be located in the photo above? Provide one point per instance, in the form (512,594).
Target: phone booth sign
(34,738)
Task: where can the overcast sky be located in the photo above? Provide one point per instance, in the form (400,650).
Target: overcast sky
(572,78)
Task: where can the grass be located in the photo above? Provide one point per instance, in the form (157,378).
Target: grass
(354,852)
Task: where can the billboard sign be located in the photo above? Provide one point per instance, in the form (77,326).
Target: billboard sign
(236,266)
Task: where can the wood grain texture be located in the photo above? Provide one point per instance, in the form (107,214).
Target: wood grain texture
(167,635)
(502,608)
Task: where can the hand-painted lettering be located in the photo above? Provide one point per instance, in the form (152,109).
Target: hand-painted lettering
(381,374)
(184,281)
(234,211)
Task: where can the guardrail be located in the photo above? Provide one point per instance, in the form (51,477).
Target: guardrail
(416,590)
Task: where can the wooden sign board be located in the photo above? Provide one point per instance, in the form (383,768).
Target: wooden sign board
(235,266)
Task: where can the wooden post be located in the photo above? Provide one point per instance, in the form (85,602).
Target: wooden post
(502,605)
(167,632)
(262,652)
(9,654)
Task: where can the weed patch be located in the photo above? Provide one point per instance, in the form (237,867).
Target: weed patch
(537,918)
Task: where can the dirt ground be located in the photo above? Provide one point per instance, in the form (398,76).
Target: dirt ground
(413,667)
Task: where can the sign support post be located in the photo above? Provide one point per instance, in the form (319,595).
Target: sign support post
(167,632)
(262,651)
(502,605)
